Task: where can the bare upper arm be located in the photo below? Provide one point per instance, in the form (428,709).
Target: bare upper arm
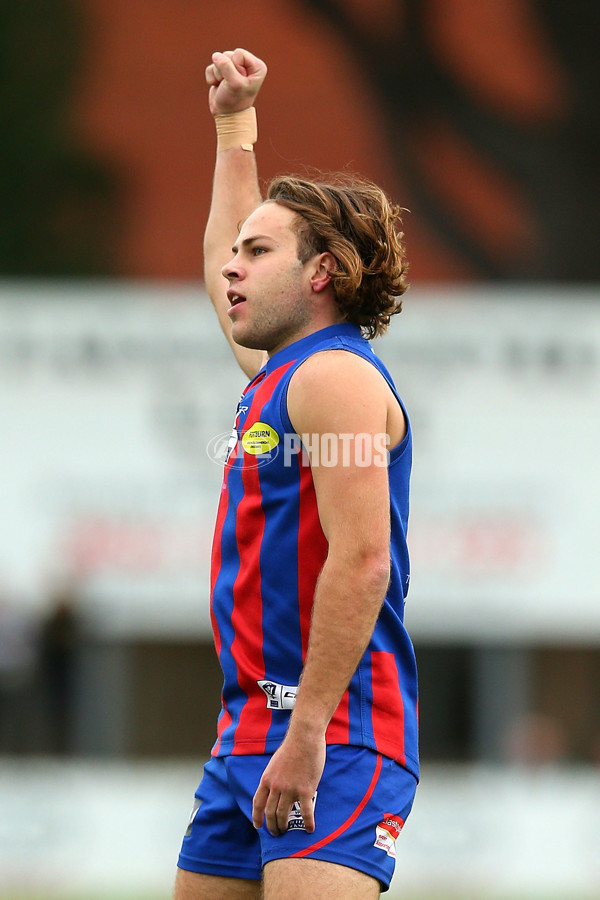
(235,196)
(341,407)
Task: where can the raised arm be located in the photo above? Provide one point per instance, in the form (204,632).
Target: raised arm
(234,77)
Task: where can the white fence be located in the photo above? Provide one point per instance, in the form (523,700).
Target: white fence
(86,830)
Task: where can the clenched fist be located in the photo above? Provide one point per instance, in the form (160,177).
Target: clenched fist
(235,78)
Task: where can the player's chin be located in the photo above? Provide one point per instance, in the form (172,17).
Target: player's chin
(245,338)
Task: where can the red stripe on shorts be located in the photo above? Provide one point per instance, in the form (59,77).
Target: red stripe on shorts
(351,818)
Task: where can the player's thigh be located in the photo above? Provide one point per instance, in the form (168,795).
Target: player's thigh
(196,886)
(306,879)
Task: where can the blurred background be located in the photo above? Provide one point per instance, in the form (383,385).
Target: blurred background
(482,119)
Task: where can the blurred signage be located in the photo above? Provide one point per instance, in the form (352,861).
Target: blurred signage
(110,395)
(504,392)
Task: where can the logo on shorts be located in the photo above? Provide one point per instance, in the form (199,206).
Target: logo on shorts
(279,696)
(386,833)
(295,820)
(195,808)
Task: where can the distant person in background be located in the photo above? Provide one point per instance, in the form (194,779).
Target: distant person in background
(315,766)
(17,666)
(58,647)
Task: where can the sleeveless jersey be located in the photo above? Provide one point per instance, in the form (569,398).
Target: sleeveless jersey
(268,551)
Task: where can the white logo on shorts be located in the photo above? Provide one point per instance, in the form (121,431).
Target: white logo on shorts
(387,832)
(195,808)
(295,820)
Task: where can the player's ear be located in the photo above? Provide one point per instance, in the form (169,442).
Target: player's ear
(323,265)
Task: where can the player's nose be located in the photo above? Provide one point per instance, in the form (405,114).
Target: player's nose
(232,270)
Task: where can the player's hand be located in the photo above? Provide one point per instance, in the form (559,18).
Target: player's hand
(293,773)
(234,78)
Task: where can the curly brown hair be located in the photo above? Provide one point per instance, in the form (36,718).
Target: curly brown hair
(354,220)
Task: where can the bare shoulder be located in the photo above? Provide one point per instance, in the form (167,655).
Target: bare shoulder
(338,371)
(336,386)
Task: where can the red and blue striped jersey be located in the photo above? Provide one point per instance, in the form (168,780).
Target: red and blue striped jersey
(268,551)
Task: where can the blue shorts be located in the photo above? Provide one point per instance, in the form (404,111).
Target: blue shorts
(362,802)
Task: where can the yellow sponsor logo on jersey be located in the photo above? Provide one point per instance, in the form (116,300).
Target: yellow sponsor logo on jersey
(259,439)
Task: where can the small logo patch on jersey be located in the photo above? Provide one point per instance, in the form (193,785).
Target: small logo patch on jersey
(260,438)
(386,833)
(279,696)
(295,820)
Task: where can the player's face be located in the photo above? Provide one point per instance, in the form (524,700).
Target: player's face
(269,288)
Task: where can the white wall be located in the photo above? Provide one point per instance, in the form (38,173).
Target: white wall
(109,395)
